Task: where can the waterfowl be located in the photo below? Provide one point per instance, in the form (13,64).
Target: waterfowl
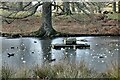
(12,47)
(52,60)
(9,55)
(35,41)
(101,56)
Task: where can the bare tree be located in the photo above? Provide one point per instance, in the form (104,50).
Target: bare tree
(73,6)
(119,7)
(46,29)
(114,7)
(66,8)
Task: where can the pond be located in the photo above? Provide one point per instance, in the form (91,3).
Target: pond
(29,51)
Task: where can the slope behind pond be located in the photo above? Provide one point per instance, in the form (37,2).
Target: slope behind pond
(65,24)
(33,51)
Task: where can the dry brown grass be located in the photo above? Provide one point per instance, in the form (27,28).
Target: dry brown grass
(60,70)
(64,24)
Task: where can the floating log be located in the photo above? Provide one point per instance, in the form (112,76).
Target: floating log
(80,46)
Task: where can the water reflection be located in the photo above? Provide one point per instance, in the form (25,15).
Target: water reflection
(32,51)
(102,51)
(46,51)
(71,55)
(25,52)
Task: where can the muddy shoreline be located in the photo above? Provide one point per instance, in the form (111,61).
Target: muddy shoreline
(54,36)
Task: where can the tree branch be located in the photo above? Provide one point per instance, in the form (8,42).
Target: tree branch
(32,13)
(58,6)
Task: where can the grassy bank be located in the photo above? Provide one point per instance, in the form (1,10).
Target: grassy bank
(61,70)
(114,16)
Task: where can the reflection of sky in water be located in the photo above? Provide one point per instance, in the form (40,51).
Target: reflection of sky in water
(102,51)
(29,51)
(25,51)
(0,52)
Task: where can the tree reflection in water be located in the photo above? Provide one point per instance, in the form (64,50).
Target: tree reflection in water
(46,49)
(70,55)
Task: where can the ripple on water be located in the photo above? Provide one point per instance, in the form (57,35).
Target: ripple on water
(22,58)
(24,62)
(97,54)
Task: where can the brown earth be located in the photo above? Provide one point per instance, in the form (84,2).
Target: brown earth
(64,25)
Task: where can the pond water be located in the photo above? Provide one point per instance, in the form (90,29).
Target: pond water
(19,52)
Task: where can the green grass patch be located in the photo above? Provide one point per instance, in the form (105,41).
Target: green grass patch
(114,16)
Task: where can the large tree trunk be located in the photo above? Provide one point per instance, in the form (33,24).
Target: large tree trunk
(46,29)
(73,6)
(119,7)
(114,7)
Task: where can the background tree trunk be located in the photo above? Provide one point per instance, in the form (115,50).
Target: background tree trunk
(73,6)
(99,9)
(66,8)
(114,7)
(20,6)
(119,7)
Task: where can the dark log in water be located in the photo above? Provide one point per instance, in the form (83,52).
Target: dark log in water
(80,46)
